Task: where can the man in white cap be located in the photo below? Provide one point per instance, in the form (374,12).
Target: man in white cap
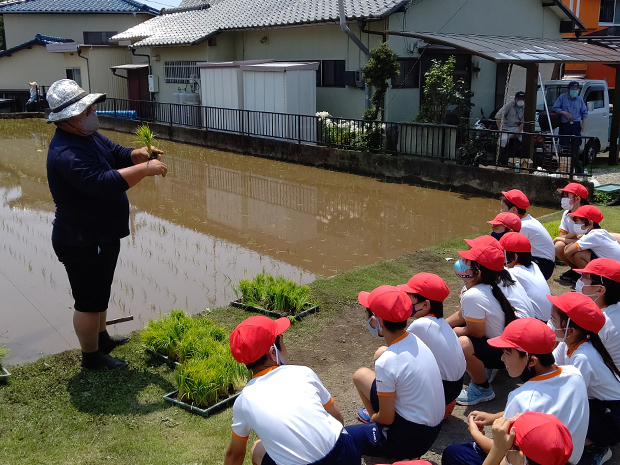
(88,175)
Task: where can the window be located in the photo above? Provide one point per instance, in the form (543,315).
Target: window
(98,38)
(597,96)
(609,12)
(332,73)
(75,74)
(409,76)
(179,72)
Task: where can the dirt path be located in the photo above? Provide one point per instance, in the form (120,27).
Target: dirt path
(346,345)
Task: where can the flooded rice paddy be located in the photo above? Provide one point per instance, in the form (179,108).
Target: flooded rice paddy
(216,218)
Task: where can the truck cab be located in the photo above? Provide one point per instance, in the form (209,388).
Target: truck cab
(596,96)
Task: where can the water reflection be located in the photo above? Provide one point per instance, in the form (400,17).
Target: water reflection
(215,218)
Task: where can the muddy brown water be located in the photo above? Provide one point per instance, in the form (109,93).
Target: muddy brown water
(216,218)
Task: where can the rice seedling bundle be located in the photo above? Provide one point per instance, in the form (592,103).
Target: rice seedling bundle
(146,138)
(278,294)
(163,336)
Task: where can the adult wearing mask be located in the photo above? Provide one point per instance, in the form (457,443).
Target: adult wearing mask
(510,118)
(88,175)
(574,195)
(574,112)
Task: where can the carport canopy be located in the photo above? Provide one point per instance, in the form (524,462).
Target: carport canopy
(529,52)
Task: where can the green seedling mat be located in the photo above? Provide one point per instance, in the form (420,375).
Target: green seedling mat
(161,357)
(4,375)
(298,316)
(171,398)
(608,188)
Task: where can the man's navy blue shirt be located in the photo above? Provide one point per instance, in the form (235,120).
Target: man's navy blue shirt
(89,192)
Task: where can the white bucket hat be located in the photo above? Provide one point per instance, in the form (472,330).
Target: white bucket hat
(67,99)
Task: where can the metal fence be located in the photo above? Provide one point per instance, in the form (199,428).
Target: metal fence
(15,100)
(553,155)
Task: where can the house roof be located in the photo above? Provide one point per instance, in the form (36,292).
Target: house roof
(195,20)
(75,6)
(39,39)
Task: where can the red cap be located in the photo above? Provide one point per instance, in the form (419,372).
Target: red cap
(581,309)
(254,336)
(607,267)
(387,302)
(490,257)
(510,220)
(518,198)
(515,242)
(483,241)
(526,334)
(590,212)
(543,438)
(428,285)
(575,188)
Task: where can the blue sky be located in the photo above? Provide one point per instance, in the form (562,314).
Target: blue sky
(159,4)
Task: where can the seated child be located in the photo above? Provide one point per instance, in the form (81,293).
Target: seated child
(574,195)
(404,396)
(503,223)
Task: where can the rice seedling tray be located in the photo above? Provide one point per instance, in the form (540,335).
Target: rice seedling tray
(4,375)
(171,398)
(161,357)
(298,316)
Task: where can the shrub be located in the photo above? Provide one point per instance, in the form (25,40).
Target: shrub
(277,294)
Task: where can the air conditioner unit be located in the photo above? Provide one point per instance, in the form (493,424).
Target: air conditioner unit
(153,83)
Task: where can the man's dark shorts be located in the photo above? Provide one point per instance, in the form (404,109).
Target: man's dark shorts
(91,271)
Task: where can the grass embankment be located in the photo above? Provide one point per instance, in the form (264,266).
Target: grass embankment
(52,412)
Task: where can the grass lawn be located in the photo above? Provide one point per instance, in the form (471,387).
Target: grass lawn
(53,412)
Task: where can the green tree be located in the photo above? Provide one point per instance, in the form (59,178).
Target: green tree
(442,94)
(381,67)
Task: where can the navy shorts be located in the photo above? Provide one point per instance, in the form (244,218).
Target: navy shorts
(545,265)
(344,452)
(604,424)
(91,271)
(393,441)
(490,356)
(468,453)
(452,389)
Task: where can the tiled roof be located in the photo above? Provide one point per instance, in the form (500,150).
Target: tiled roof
(75,6)
(195,25)
(39,39)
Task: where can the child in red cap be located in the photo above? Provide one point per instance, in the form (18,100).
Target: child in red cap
(527,345)
(574,195)
(484,313)
(600,280)
(519,262)
(541,439)
(503,223)
(427,292)
(404,396)
(592,241)
(543,250)
(577,321)
(286,405)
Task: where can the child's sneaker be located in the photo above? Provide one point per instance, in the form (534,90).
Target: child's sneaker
(595,455)
(449,409)
(474,394)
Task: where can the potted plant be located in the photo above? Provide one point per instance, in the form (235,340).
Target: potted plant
(4,373)
(274,296)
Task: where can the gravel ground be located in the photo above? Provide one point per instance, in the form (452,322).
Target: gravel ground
(606,174)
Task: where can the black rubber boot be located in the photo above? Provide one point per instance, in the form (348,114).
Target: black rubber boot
(108,343)
(97,361)
(614,203)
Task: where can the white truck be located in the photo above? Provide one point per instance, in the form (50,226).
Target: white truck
(596,95)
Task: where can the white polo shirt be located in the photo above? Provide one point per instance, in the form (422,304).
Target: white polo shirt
(518,298)
(566,223)
(444,344)
(600,381)
(563,394)
(408,370)
(610,334)
(285,406)
(536,288)
(599,241)
(542,243)
(478,304)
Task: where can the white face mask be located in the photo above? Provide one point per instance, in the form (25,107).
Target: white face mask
(577,229)
(279,358)
(371,330)
(579,288)
(566,203)
(560,339)
(520,103)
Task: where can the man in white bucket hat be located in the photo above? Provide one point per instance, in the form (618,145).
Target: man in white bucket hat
(88,175)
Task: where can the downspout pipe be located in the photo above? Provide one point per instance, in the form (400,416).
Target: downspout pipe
(148,57)
(356,41)
(87,67)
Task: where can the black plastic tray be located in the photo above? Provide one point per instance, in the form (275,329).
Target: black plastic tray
(171,398)
(162,357)
(311,309)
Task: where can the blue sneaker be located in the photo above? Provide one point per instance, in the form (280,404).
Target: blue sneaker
(362,415)
(595,455)
(474,394)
